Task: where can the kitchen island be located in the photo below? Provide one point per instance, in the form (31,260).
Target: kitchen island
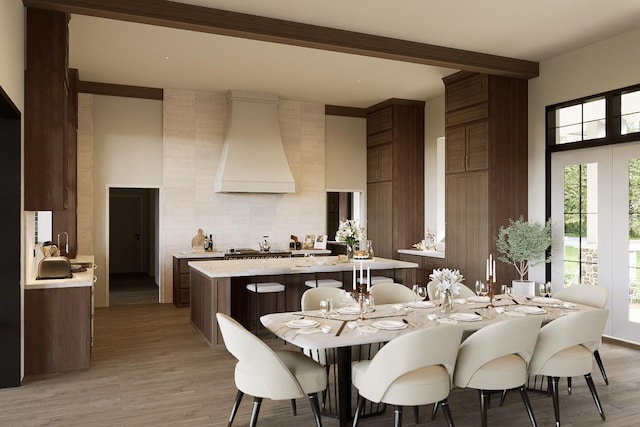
(218,286)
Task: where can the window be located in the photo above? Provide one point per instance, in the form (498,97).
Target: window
(630,112)
(581,122)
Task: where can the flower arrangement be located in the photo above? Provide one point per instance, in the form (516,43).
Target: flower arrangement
(524,244)
(448,281)
(349,232)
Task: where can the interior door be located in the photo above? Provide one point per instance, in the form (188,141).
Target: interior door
(125,234)
(595,203)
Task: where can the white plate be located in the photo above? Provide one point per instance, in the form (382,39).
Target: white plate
(543,300)
(350,309)
(528,309)
(421,304)
(389,324)
(478,299)
(465,317)
(302,323)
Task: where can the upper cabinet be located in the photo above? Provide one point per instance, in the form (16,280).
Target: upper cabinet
(45,130)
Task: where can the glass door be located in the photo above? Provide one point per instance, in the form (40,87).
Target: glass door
(595,201)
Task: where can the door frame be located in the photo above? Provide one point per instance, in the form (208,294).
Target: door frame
(158,255)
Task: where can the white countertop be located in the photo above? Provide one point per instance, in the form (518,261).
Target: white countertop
(431,254)
(80,279)
(268,266)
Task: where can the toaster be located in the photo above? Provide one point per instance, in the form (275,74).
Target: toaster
(54,267)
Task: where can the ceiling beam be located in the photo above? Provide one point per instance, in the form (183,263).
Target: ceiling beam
(217,21)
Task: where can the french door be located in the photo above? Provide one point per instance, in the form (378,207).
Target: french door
(595,211)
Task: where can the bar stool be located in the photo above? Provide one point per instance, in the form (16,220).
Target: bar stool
(323,283)
(265,288)
(375,280)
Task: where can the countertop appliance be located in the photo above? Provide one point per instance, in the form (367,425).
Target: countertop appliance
(54,267)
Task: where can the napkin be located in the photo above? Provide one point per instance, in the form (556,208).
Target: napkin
(514,313)
(447,321)
(367,329)
(568,305)
(309,331)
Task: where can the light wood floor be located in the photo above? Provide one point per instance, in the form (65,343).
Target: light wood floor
(150,368)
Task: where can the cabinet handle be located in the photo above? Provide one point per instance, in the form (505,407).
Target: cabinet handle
(466,162)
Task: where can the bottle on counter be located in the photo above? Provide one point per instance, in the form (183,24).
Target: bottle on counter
(206,243)
(210,248)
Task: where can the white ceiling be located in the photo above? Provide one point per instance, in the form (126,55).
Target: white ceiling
(135,54)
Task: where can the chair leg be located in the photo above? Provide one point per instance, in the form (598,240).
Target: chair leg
(596,354)
(294,408)
(434,411)
(315,408)
(484,398)
(356,416)
(397,418)
(594,393)
(553,381)
(569,381)
(234,408)
(257,401)
(503,396)
(416,414)
(527,405)
(446,411)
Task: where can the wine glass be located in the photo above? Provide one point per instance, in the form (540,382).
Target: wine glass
(481,288)
(545,289)
(420,293)
(326,307)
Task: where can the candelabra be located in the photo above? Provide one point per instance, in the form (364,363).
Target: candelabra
(360,296)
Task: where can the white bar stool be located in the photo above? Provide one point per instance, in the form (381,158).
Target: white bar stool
(323,283)
(265,288)
(375,280)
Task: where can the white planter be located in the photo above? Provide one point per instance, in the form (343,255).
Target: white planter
(525,287)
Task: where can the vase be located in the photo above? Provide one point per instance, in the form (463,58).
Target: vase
(524,287)
(446,302)
(350,251)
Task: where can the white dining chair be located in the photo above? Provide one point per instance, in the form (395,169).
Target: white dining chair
(432,291)
(412,369)
(311,297)
(264,373)
(564,350)
(495,358)
(593,296)
(392,293)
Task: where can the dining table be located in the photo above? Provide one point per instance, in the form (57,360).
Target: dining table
(350,325)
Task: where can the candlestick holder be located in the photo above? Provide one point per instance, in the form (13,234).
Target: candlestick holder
(360,296)
(490,291)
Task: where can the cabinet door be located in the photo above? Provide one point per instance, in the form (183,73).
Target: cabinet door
(380,224)
(379,166)
(455,147)
(373,169)
(477,136)
(467,210)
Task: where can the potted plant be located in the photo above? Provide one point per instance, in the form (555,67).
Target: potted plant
(524,244)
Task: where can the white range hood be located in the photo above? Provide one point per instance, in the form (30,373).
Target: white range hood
(253,158)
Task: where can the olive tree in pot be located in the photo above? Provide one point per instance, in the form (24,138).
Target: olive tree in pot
(524,244)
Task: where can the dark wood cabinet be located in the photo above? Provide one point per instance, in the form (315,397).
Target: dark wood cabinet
(486,167)
(426,265)
(395,175)
(45,118)
(57,329)
(182,279)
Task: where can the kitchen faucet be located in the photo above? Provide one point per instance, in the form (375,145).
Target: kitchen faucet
(66,245)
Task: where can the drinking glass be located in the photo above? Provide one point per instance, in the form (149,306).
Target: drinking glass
(506,290)
(481,288)
(326,307)
(420,292)
(545,289)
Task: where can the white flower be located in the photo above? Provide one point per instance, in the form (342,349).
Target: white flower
(349,231)
(447,280)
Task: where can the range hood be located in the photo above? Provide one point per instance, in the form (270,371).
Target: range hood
(253,158)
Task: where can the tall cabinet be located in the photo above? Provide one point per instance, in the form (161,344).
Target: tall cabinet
(486,167)
(395,175)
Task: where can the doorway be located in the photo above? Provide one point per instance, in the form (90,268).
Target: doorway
(596,228)
(133,247)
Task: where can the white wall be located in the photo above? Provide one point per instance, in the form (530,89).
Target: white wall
(127,152)
(346,153)
(603,66)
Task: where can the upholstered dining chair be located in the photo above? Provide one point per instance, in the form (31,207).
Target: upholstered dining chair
(311,297)
(564,349)
(593,296)
(432,291)
(413,369)
(264,373)
(392,293)
(496,358)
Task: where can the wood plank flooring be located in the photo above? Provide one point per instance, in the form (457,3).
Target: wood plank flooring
(150,368)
